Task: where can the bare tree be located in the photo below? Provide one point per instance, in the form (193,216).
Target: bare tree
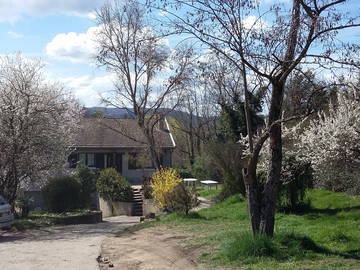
(38,124)
(268,43)
(195,121)
(129,47)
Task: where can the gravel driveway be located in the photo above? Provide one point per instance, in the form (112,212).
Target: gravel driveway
(72,247)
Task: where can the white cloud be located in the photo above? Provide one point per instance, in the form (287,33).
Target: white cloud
(15,9)
(254,23)
(88,89)
(15,35)
(74,47)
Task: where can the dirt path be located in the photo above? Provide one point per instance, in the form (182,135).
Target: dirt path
(148,249)
(151,249)
(72,247)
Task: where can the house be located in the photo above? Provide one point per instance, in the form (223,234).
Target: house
(120,144)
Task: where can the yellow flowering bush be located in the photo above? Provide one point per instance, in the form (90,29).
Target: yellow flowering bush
(163,182)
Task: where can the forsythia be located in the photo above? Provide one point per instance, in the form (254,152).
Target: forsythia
(163,182)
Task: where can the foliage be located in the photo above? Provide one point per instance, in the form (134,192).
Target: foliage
(232,117)
(181,199)
(147,188)
(87,179)
(113,187)
(62,194)
(185,172)
(163,181)
(296,178)
(228,158)
(23,203)
(202,168)
(38,124)
(332,144)
(304,93)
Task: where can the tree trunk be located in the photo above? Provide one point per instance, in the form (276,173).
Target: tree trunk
(252,193)
(269,198)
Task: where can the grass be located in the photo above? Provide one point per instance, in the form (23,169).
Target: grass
(326,236)
(37,220)
(208,193)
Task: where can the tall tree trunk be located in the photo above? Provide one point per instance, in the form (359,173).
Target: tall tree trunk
(252,193)
(269,198)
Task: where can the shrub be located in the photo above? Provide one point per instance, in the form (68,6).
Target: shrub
(62,194)
(147,188)
(23,203)
(113,187)
(296,178)
(202,168)
(227,157)
(181,199)
(87,179)
(185,172)
(162,182)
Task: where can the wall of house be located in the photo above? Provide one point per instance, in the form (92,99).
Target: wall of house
(135,176)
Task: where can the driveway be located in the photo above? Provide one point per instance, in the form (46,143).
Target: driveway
(72,247)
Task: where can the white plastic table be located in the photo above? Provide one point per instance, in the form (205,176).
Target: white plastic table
(209,183)
(190,181)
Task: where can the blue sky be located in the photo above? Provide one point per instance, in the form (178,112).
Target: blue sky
(34,27)
(59,32)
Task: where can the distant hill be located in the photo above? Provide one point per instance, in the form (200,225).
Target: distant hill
(126,113)
(108,112)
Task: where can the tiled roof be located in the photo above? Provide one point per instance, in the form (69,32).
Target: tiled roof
(118,133)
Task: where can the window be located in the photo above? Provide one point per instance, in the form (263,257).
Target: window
(87,159)
(90,160)
(82,158)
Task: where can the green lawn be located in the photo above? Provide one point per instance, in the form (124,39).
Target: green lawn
(208,192)
(325,237)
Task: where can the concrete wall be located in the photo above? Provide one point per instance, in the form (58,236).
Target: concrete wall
(110,209)
(149,206)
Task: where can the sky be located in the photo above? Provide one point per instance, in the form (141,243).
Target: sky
(60,33)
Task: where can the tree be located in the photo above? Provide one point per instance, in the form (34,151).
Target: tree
(130,48)
(267,44)
(38,123)
(331,143)
(304,93)
(195,123)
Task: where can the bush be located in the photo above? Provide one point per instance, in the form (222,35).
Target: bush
(296,178)
(23,203)
(87,179)
(185,172)
(62,194)
(227,157)
(162,182)
(181,199)
(112,186)
(147,188)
